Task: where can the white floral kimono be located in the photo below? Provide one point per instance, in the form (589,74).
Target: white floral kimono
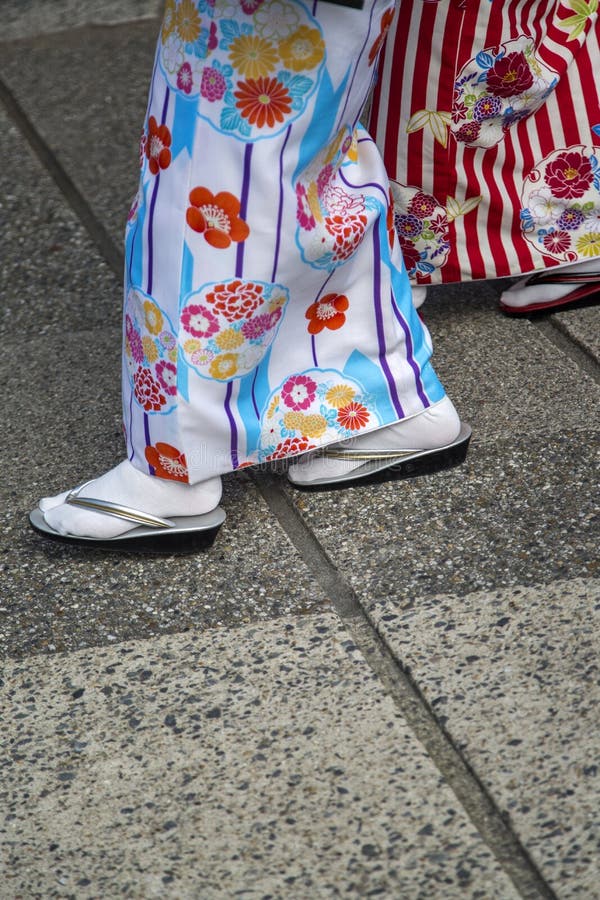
(267,309)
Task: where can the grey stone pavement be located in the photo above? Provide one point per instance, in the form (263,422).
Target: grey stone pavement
(391,691)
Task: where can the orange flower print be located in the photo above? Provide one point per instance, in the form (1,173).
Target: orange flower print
(353,417)
(236,299)
(327,312)
(291,447)
(157,146)
(348,231)
(386,21)
(263,101)
(216,217)
(167,462)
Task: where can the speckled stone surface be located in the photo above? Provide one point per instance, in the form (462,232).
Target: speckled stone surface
(54,597)
(48,262)
(513,675)
(518,513)
(90,115)
(23,18)
(256,762)
(504,376)
(583,326)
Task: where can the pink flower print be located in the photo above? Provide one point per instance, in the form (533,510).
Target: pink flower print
(557,241)
(212,36)
(569,175)
(135,341)
(299,392)
(304,215)
(167,377)
(185,79)
(254,328)
(167,339)
(323,179)
(510,75)
(199,321)
(347,144)
(213,85)
(250,6)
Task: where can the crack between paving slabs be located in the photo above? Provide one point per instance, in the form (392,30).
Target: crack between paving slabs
(471,793)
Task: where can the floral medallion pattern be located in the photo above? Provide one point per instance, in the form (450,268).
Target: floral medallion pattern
(228,327)
(497,89)
(150,353)
(254,75)
(422,227)
(332,216)
(313,408)
(560,212)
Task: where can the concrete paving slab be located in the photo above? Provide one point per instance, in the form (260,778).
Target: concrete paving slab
(256,762)
(505,377)
(519,513)
(583,326)
(64,428)
(24,18)
(51,275)
(513,675)
(89,107)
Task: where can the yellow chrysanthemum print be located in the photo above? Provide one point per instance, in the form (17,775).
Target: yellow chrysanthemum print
(149,348)
(589,244)
(192,345)
(224,366)
(340,395)
(293,421)
(153,317)
(187,21)
(304,49)
(273,406)
(314,426)
(230,339)
(253,56)
(168,25)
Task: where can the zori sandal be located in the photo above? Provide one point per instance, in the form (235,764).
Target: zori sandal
(588,286)
(183,534)
(387,465)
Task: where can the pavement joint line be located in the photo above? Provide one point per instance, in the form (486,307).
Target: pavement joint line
(493,826)
(557,334)
(79,205)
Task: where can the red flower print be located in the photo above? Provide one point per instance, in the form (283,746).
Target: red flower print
(389,221)
(291,447)
(422,205)
(199,321)
(185,78)
(353,417)
(235,300)
(147,391)
(410,254)
(439,224)
(570,175)
(298,392)
(386,21)
(216,217)
(348,231)
(459,111)
(509,75)
(157,146)
(167,462)
(167,377)
(327,312)
(213,84)
(250,6)
(263,101)
(468,132)
(557,241)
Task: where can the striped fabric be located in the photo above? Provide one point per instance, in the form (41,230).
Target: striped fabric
(487,113)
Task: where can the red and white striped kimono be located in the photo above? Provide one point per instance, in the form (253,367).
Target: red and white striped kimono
(487,113)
